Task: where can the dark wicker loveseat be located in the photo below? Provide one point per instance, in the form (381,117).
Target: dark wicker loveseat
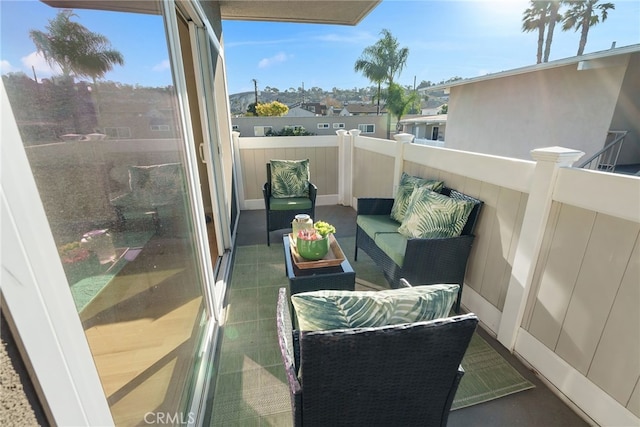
(426,261)
(398,375)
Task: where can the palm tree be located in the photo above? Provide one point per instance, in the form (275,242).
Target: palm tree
(372,69)
(535,19)
(381,62)
(554,17)
(78,51)
(584,14)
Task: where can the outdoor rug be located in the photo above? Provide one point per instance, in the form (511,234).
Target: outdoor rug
(88,288)
(487,376)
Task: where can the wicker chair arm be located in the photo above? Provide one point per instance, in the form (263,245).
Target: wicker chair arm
(285,340)
(428,261)
(313,191)
(266,193)
(374,206)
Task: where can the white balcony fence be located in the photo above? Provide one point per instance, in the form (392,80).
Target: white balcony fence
(555,268)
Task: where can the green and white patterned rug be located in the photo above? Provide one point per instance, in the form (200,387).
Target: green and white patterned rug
(487,376)
(85,290)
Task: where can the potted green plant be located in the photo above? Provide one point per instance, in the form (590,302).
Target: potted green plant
(78,262)
(313,244)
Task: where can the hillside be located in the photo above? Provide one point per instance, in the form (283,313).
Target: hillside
(336,97)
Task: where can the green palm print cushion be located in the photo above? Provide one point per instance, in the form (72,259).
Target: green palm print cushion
(330,309)
(434,215)
(289,178)
(409,183)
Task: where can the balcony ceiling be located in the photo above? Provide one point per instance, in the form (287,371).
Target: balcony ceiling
(304,11)
(307,11)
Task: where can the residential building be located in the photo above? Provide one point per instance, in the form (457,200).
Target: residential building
(375,126)
(426,128)
(362,110)
(130,338)
(573,102)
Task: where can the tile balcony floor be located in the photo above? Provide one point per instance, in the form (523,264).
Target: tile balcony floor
(251,389)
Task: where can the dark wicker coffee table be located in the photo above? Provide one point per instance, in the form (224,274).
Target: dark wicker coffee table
(340,277)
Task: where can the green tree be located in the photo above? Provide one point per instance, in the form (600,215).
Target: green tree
(399,101)
(444,109)
(251,109)
(289,131)
(78,51)
(381,62)
(584,14)
(272,109)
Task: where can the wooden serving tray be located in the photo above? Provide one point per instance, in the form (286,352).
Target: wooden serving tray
(333,258)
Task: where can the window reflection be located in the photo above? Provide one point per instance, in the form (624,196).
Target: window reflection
(108,160)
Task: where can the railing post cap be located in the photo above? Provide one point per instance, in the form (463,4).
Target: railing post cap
(355,132)
(235,133)
(560,155)
(341,132)
(403,137)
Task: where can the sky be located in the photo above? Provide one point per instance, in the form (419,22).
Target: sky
(453,38)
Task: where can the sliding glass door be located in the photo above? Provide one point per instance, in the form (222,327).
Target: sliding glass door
(102,109)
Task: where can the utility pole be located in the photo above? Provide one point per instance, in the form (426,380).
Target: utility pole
(413,107)
(255,89)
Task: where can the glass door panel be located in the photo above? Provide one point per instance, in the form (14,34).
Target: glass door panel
(104,142)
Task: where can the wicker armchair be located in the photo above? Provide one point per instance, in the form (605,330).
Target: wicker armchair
(400,375)
(280,212)
(152,189)
(426,261)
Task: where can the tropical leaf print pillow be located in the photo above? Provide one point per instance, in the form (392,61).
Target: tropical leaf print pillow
(408,183)
(330,309)
(289,178)
(434,215)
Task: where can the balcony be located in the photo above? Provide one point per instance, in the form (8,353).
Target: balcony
(554,275)
(251,387)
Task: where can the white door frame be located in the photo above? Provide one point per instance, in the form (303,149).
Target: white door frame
(37,295)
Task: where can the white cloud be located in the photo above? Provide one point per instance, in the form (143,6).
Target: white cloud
(6,67)
(276,59)
(164,65)
(37,61)
(351,37)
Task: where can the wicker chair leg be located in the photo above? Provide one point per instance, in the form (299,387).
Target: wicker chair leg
(268,229)
(355,253)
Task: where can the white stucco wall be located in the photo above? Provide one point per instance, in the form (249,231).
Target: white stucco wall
(512,115)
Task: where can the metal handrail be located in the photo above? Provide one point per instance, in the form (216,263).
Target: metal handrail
(607,157)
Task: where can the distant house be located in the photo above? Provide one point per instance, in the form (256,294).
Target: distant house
(375,126)
(431,111)
(426,128)
(298,111)
(573,102)
(311,109)
(362,110)
(315,108)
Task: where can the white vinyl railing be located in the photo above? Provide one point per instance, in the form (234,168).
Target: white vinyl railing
(555,268)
